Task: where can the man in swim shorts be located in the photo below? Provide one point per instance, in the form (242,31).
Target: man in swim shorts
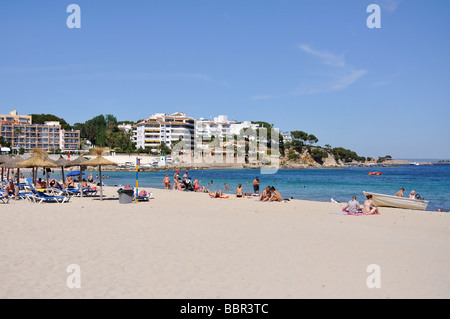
(256,185)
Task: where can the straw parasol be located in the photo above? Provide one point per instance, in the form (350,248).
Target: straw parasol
(62,162)
(3,159)
(39,159)
(77,162)
(99,161)
(12,162)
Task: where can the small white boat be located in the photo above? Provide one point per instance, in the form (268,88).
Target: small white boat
(382,200)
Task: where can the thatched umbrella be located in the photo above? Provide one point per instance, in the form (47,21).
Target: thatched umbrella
(3,159)
(11,163)
(77,162)
(99,161)
(62,162)
(39,159)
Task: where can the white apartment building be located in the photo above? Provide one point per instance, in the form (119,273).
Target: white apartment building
(161,127)
(220,127)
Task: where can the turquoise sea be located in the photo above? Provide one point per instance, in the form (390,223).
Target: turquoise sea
(432,182)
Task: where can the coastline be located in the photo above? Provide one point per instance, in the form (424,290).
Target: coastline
(187,245)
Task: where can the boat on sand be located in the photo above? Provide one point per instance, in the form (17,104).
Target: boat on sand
(382,200)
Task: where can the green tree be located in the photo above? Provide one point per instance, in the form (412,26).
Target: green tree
(299,135)
(42,118)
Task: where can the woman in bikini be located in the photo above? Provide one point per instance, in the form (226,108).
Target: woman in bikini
(369,207)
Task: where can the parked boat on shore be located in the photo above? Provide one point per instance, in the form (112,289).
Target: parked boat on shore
(383,200)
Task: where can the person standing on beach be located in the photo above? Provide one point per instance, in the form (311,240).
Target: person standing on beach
(166,181)
(226,186)
(400,192)
(256,185)
(176,177)
(196,185)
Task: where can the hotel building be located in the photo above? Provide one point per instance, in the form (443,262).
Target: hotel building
(21,133)
(160,127)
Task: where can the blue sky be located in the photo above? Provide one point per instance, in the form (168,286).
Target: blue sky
(310,65)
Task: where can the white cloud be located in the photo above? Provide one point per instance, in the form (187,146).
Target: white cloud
(338,76)
(325,56)
(343,74)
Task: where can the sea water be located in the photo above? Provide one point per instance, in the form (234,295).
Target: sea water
(431,182)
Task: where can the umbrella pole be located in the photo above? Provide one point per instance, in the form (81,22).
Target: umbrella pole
(46,174)
(18,183)
(62,173)
(81,184)
(101,184)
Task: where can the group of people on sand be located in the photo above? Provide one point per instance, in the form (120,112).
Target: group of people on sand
(369,208)
(183,183)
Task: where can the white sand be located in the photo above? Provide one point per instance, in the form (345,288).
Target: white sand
(187,245)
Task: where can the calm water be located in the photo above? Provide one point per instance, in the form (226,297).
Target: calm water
(432,182)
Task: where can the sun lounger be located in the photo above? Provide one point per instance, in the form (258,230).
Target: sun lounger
(39,197)
(4,197)
(144,196)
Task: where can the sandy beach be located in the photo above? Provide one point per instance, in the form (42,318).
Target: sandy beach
(188,245)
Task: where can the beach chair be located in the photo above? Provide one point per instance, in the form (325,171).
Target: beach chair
(143,196)
(89,191)
(39,197)
(4,197)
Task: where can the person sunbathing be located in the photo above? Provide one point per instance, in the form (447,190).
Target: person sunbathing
(216,194)
(369,207)
(266,194)
(40,184)
(10,189)
(239,191)
(276,196)
(54,183)
(69,182)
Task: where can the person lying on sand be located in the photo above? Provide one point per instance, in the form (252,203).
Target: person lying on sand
(216,194)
